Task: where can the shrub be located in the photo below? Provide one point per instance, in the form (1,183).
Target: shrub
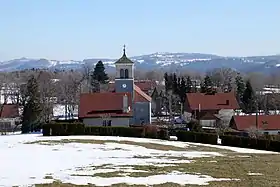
(194,125)
(114,131)
(150,131)
(163,134)
(76,128)
(63,129)
(198,137)
(253,143)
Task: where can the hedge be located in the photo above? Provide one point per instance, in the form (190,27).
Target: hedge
(198,137)
(246,142)
(66,129)
(63,129)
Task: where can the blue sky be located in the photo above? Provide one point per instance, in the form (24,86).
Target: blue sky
(79,29)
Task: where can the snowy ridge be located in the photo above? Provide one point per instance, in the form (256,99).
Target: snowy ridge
(191,61)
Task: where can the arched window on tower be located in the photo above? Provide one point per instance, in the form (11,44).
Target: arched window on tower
(126,73)
(121,73)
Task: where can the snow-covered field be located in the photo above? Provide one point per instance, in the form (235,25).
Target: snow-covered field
(49,158)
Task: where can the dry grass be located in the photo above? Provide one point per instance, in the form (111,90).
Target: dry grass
(146,145)
(230,166)
(233,165)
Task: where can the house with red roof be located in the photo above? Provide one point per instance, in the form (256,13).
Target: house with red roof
(267,124)
(210,109)
(123,105)
(9,117)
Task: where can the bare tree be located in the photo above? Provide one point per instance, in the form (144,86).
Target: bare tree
(47,94)
(85,80)
(257,80)
(70,91)
(222,78)
(253,132)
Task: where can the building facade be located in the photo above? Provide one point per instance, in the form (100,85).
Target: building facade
(127,105)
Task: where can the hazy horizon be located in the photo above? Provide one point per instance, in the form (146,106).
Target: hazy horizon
(129,56)
(77,30)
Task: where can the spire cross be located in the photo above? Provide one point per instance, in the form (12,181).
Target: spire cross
(124,49)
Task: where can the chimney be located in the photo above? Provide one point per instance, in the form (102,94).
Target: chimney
(227,102)
(125,104)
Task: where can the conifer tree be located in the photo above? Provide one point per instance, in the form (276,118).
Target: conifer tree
(240,88)
(182,93)
(189,85)
(174,84)
(168,82)
(98,76)
(249,98)
(207,85)
(31,117)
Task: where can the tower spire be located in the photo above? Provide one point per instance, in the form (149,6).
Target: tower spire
(124,49)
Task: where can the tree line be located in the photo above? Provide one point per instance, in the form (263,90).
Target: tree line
(176,88)
(37,91)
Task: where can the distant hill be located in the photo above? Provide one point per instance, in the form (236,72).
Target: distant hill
(166,61)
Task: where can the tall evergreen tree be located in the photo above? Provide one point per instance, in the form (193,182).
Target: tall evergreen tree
(207,85)
(240,87)
(182,90)
(229,84)
(175,84)
(98,76)
(189,85)
(249,98)
(31,117)
(168,82)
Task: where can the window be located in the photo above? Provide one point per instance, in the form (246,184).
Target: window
(126,73)
(121,73)
(107,123)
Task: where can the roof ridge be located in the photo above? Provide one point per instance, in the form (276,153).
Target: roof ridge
(143,94)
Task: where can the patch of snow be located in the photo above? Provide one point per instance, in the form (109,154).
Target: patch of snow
(244,156)
(236,149)
(175,177)
(62,160)
(254,174)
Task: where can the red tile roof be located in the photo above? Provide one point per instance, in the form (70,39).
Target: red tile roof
(9,111)
(146,85)
(140,96)
(97,104)
(265,122)
(218,101)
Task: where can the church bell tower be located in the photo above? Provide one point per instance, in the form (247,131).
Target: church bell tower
(124,81)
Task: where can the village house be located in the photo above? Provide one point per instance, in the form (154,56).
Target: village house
(211,109)
(9,117)
(126,105)
(266,124)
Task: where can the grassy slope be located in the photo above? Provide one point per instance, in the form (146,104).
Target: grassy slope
(234,165)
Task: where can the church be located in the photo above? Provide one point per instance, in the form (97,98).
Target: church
(126,105)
